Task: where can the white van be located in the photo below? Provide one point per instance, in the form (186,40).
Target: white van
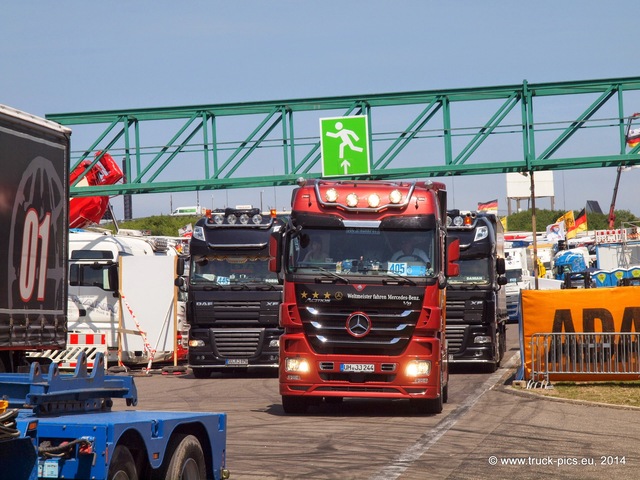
(187,211)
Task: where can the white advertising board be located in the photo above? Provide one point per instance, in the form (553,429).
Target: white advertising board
(519,185)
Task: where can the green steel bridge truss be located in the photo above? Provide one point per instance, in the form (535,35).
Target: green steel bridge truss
(437,133)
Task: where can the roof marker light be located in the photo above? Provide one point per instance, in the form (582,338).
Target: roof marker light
(352,200)
(331,195)
(395,196)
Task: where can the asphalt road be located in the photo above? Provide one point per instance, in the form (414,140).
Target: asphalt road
(487,430)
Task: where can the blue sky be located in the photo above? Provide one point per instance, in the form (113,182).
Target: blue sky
(73,56)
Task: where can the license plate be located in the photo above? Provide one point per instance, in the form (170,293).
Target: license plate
(237,361)
(357,367)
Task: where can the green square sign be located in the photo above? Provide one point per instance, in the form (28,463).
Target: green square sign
(344,145)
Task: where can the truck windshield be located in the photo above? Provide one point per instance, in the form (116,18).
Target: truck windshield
(514,276)
(232,270)
(351,252)
(474,272)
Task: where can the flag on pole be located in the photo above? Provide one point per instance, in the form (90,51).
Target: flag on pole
(580,225)
(186,231)
(488,207)
(555,231)
(568,219)
(633,137)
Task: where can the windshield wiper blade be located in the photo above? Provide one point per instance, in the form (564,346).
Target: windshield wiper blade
(333,274)
(400,277)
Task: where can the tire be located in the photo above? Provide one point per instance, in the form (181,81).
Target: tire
(294,405)
(432,405)
(201,372)
(428,405)
(187,459)
(122,465)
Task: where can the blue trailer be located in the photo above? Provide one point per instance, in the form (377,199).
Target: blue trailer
(57,425)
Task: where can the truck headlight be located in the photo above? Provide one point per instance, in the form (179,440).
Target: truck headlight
(198,233)
(418,368)
(296,365)
(196,343)
(274,343)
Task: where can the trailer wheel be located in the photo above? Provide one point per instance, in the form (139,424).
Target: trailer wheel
(122,466)
(187,459)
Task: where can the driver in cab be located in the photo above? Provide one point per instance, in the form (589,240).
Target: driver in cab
(408,251)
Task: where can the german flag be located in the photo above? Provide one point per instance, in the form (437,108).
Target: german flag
(490,206)
(580,224)
(633,137)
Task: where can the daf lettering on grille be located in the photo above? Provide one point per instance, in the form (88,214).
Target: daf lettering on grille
(358,324)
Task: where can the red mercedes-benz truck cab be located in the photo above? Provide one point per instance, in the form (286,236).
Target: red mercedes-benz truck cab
(364,265)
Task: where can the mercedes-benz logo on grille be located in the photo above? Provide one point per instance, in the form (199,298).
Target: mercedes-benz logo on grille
(358,324)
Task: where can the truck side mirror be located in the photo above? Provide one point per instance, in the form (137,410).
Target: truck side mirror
(500,266)
(453,255)
(502,281)
(180,267)
(275,256)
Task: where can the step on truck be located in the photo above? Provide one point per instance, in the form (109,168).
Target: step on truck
(56,425)
(476,299)
(233,298)
(365,266)
(33,238)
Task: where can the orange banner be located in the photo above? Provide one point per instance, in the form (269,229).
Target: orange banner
(607,310)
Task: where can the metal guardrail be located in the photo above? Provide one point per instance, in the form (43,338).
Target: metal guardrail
(584,353)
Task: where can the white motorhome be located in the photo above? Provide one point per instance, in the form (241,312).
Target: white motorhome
(121,286)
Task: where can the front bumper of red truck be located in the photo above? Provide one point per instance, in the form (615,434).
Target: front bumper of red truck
(417,373)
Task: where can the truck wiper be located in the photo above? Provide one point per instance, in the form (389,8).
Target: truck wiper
(333,274)
(401,277)
(240,286)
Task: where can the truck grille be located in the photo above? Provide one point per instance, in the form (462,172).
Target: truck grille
(455,337)
(390,331)
(237,313)
(230,343)
(455,311)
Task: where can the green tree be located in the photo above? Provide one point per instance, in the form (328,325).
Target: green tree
(521,221)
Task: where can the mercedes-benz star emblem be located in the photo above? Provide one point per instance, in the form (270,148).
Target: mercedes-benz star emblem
(358,324)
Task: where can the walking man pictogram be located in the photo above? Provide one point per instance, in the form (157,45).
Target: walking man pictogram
(346,136)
